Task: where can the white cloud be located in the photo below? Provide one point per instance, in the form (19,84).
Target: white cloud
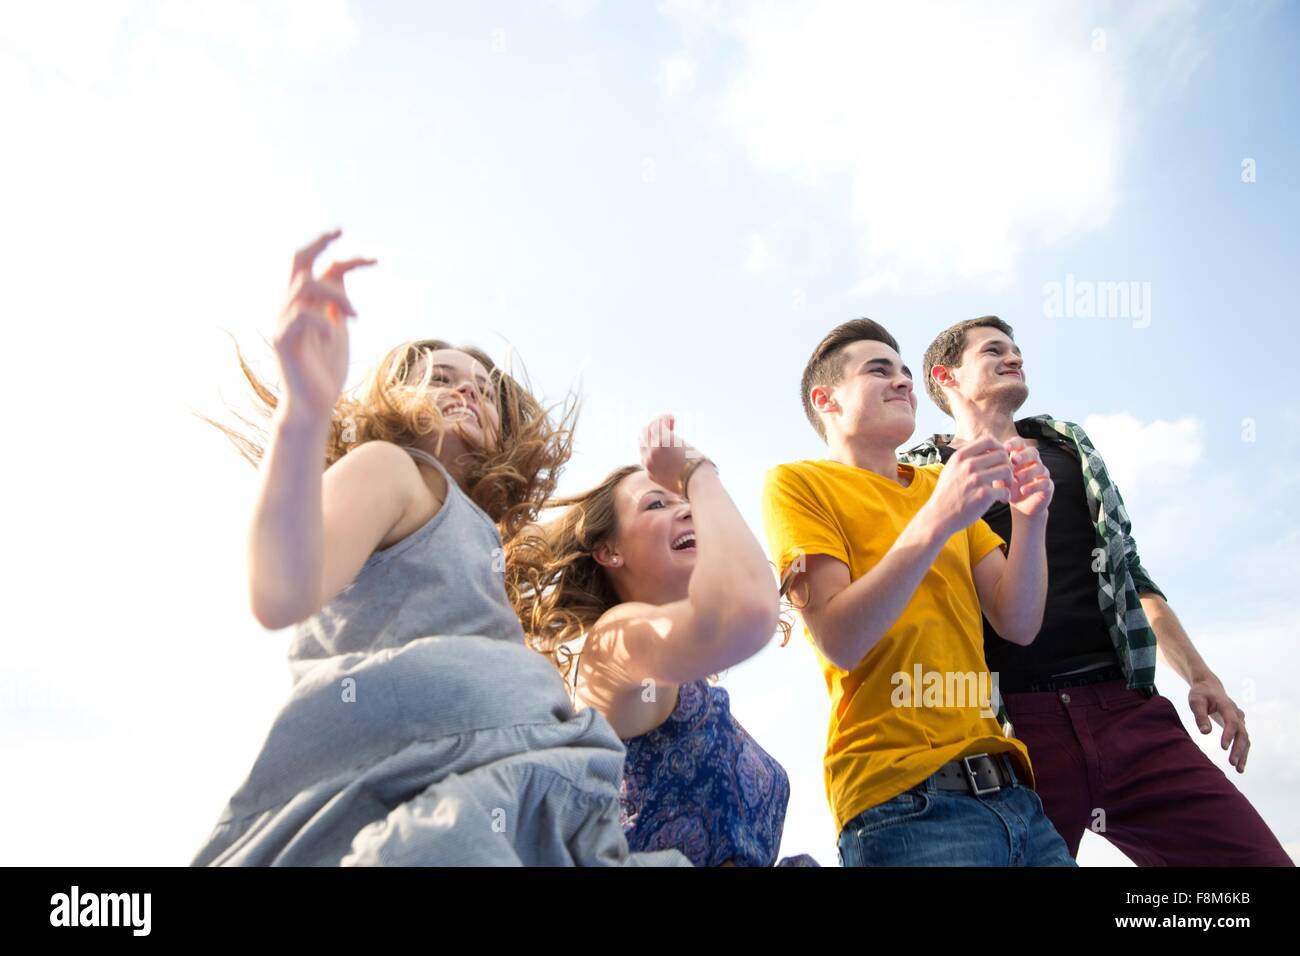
(157,198)
(78,41)
(961,133)
(574,9)
(1157,452)
(288,32)
(676,75)
(759,258)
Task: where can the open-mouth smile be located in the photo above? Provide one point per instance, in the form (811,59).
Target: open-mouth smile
(460,411)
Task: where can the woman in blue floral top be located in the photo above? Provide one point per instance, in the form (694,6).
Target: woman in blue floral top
(667,590)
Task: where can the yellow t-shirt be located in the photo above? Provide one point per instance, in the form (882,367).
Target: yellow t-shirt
(915,701)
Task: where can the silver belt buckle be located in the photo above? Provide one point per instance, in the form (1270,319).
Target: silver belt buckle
(973,781)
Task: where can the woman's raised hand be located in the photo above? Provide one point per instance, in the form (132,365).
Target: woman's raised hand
(311,336)
(664,454)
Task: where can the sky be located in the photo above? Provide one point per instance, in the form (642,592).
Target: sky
(660,206)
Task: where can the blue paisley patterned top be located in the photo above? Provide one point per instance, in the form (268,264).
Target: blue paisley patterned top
(699,783)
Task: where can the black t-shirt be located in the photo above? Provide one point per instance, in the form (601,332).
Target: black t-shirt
(1074,635)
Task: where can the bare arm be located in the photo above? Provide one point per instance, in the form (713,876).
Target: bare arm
(1172,640)
(285,536)
(846,619)
(729,616)
(311,535)
(295,555)
(732,595)
(730,611)
(1013,589)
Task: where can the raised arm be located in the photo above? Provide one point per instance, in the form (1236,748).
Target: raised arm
(1013,589)
(730,612)
(308,531)
(847,619)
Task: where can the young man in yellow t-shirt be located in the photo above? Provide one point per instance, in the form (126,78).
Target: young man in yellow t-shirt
(891,566)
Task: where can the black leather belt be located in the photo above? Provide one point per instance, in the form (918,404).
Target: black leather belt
(977,774)
(1099,676)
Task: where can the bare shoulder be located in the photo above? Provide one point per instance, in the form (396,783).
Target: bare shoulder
(377,450)
(609,681)
(618,618)
(379,472)
(378,463)
(612,659)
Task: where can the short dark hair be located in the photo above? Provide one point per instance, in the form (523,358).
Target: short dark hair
(946,350)
(826,367)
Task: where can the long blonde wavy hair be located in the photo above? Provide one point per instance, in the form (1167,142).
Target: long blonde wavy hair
(556,586)
(510,482)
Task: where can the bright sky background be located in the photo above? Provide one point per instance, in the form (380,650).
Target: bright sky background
(673,202)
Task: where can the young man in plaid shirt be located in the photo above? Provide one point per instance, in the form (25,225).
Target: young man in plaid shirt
(1109,752)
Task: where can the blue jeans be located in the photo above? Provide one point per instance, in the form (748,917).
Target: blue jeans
(926,826)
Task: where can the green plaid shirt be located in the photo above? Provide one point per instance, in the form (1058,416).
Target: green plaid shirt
(1121,576)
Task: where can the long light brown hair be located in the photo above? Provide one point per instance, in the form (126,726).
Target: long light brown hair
(510,481)
(557,587)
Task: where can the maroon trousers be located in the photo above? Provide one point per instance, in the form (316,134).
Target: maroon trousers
(1121,764)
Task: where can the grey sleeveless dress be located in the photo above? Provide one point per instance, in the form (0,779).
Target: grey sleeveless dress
(422,731)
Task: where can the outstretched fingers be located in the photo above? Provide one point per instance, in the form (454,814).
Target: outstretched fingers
(305,257)
(327,291)
(337,270)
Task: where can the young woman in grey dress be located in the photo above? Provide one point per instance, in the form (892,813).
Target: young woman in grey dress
(421,729)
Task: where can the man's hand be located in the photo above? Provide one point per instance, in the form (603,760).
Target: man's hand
(1208,700)
(1031,490)
(976,475)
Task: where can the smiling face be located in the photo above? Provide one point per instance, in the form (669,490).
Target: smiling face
(652,554)
(991,373)
(874,398)
(466,396)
